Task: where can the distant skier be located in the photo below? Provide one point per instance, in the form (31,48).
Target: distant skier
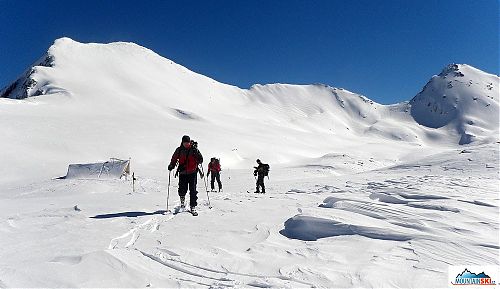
(188,157)
(214,169)
(261,171)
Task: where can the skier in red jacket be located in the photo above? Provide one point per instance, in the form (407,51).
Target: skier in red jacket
(188,157)
(214,168)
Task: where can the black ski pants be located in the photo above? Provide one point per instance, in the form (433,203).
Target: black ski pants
(213,177)
(188,181)
(260,183)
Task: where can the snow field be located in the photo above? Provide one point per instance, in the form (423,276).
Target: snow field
(360,194)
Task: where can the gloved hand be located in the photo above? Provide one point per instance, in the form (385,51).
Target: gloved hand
(171,167)
(208,174)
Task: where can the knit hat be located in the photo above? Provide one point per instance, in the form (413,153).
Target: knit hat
(186,138)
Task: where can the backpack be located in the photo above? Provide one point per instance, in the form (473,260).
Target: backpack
(265,169)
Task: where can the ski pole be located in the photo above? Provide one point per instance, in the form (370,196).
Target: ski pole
(168,188)
(206,188)
(204,180)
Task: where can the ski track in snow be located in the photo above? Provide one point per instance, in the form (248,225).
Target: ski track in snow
(153,224)
(220,277)
(150,225)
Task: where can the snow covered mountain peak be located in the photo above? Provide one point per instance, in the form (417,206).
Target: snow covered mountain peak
(461,98)
(452,69)
(67,45)
(85,62)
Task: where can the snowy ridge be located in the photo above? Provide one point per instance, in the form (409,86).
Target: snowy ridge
(27,85)
(110,92)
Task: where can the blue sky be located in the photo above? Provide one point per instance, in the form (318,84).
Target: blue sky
(386,49)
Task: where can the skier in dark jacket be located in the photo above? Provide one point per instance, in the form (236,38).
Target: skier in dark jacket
(188,157)
(261,171)
(214,169)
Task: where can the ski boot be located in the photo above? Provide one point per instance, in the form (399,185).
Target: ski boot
(193,211)
(182,202)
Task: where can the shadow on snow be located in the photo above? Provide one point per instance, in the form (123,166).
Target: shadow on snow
(127,214)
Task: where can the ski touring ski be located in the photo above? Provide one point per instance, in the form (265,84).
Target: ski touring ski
(179,210)
(255,192)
